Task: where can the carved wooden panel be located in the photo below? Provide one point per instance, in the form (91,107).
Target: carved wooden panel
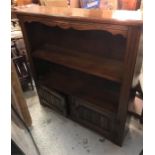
(52,98)
(91,117)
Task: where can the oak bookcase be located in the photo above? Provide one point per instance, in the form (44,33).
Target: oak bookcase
(84,63)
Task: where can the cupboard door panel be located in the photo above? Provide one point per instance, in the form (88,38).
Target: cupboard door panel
(91,117)
(52,99)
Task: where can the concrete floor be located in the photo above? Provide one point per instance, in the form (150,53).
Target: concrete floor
(57,135)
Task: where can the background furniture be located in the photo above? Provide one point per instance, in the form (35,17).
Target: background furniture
(109,4)
(102,4)
(18,55)
(84,63)
(56,3)
(23,71)
(129,4)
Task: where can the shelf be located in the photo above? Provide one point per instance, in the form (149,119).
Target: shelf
(100,93)
(93,100)
(84,62)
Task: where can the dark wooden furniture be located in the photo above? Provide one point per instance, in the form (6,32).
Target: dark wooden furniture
(90,58)
(23,71)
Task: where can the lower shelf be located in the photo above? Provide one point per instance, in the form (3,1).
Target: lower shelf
(98,91)
(88,94)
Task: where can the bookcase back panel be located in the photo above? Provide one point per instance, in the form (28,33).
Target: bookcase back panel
(96,42)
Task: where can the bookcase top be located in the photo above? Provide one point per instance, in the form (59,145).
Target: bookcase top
(120,17)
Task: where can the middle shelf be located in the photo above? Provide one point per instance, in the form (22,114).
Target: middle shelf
(102,67)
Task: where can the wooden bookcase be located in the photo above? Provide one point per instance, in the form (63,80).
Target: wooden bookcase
(84,63)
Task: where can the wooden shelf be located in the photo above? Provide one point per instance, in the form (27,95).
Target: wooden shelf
(90,64)
(81,86)
(93,100)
